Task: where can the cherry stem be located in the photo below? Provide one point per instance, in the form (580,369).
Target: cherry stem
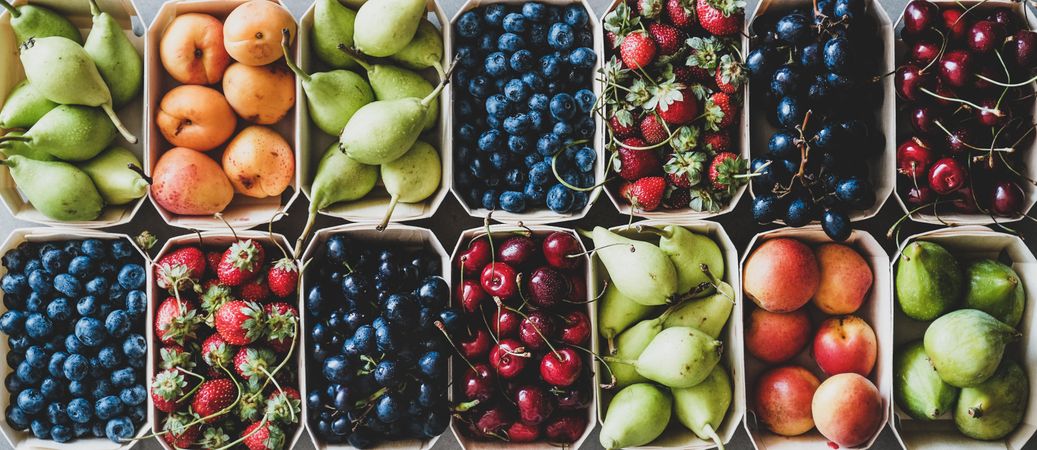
(1005,84)
(994,111)
(612,376)
(442,328)
(535,327)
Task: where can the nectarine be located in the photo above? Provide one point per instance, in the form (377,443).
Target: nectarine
(192,50)
(260,94)
(252,32)
(196,117)
(781,275)
(845,345)
(190,183)
(845,279)
(777,337)
(782,400)
(847,409)
(259,162)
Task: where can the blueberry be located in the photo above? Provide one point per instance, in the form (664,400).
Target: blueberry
(124,377)
(17,418)
(14,260)
(535,82)
(28,374)
(14,283)
(12,322)
(497,105)
(488,199)
(559,198)
(59,310)
(40,429)
(117,323)
(515,178)
(54,261)
(134,346)
(490,140)
(30,401)
(52,389)
(119,429)
(56,414)
(109,356)
(496,64)
(95,249)
(536,12)
(512,201)
(563,106)
(580,200)
(56,363)
(468,25)
(538,120)
(510,42)
(519,145)
(132,276)
(548,144)
(97,429)
(493,14)
(90,331)
(36,357)
(480,87)
(19,344)
(538,102)
(551,67)
(516,91)
(108,407)
(517,124)
(521,61)
(133,395)
(535,193)
(514,23)
(40,282)
(336,369)
(72,344)
(38,326)
(575,15)
(585,100)
(136,303)
(488,42)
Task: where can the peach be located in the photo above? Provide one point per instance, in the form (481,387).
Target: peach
(190,183)
(782,400)
(252,32)
(781,275)
(259,162)
(845,345)
(847,409)
(195,117)
(777,337)
(260,94)
(192,50)
(845,279)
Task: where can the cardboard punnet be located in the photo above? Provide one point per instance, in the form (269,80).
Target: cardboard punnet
(539,214)
(25,440)
(314,142)
(676,436)
(968,243)
(468,443)
(220,239)
(132,114)
(1028,153)
(881,168)
(394,234)
(875,310)
(740,144)
(242,212)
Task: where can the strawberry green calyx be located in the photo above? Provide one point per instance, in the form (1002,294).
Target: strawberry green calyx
(283,408)
(686,164)
(731,71)
(182,327)
(621,21)
(685,139)
(244,254)
(281,324)
(250,408)
(175,357)
(214,437)
(650,8)
(703,200)
(286,264)
(174,277)
(725,179)
(169,385)
(728,7)
(217,353)
(254,363)
(216,296)
(179,423)
(714,115)
(705,52)
(145,240)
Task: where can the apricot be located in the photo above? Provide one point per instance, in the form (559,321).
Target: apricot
(777,337)
(190,183)
(845,279)
(192,50)
(195,117)
(259,162)
(782,400)
(781,275)
(260,94)
(847,409)
(252,32)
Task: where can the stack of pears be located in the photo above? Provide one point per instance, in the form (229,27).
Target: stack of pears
(59,125)
(661,315)
(374,99)
(962,365)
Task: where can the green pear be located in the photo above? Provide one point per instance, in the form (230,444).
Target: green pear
(639,269)
(996,407)
(966,346)
(636,416)
(411,178)
(928,281)
(689,251)
(18,147)
(121,67)
(424,51)
(339,178)
(56,189)
(995,288)
(69,132)
(117,174)
(390,83)
(677,357)
(64,73)
(333,97)
(24,106)
(32,21)
(354,4)
(917,388)
(629,346)
(701,408)
(617,312)
(384,27)
(384,130)
(333,26)
(708,314)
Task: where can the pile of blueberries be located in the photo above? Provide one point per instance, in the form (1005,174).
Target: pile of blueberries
(378,370)
(523,107)
(74,324)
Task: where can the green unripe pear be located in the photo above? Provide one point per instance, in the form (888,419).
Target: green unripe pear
(56,189)
(995,288)
(384,130)
(390,83)
(966,346)
(639,269)
(424,51)
(24,107)
(121,67)
(384,27)
(64,73)
(14,146)
(629,346)
(677,357)
(114,178)
(339,178)
(708,315)
(928,281)
(617,313)
(70,133)
(689,251)
(33,21)
(701,408)
(332,98)
(332,27)
(411,178)
(917,388)
(995,408)
(636,416)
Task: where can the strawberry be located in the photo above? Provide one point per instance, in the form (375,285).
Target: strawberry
(649,9)
(717,141)
(255,290)
(284,406)
(173,356)
(680,110)
(652,129)
(637,50)
(684,169)
(282,321)
(283,277)
(216,352)
(240,322)
(254,363)
(681,15)
(168,387)
(677,198)
(687,75)
(180,268)
(176,321)
(263,436)
(212,299)
(182,431)
(250,408)
(620,129)
(731,74)
(668,39)
(214,396)
(634,164)
(213,438)
(241,262)
(644,194)
(611,38)
(212,260)
(721,17)
(720,113)
(723,169)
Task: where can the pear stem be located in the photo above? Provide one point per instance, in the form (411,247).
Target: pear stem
(107,107)
(94,9)
(709,431)
(15,138)
(388,213)
(10,8)
(140,172)
(355,54)
(439,88)
(286,37)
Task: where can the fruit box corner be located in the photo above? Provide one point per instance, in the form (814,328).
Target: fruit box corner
(242,212)
(971,242)
(132,115)
(365,232)
(541,215)
(875,310)
(156,294)
(624,207)
(24,440)
(1030,169)
(314,142)
(882,169)
(676,436)
(466,442)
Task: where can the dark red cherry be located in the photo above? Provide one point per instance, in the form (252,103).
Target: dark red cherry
(958,140)
(559,248)
(471,295)
(1007,199)
(480,384)
(920,16)
(493,421)
(537,328)
(561,368)
(988,70)
(518,251)
(1021,49)
(546,287)
(566,428)
(921,195)
(909,81)
(520,432)
(476,345)
(508,357)
(498,280)
(956,68)
(924,118)
(576,328)
(914,156)
(507,323)
(534,404)
(924,50)
(1005,20)
(991,114)
(947,175)
(964,202)
(984,36)
(577,287)
(476,256)
(573,397)
(955,23)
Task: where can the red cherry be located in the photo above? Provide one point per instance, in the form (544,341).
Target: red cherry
(914,156)
(471,295)
(520,432)
(991,114)
(925,50)
(506,324)
(576,328)
(1005,21)
(924,118)
(518,251)
(559,247)
(567,428)
(476,345)
(577,287)
(989,71)
(491,422)
(956,68)
(537,328)
(919,16)
(1022,49)
(480,384)
(1006,199)
(535,405)
(947,175)
(573,397)
(477,256)
(921,195)
(964,201)
(909,80)
(498,280)
(509,358)
(955,23)
(546,287)
(561,368)
(958,139)
(984,36)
